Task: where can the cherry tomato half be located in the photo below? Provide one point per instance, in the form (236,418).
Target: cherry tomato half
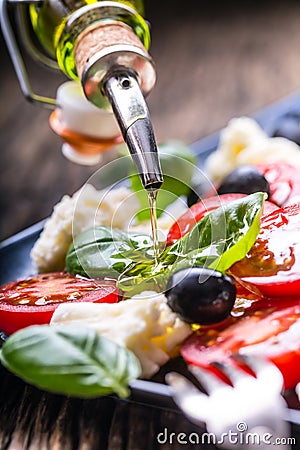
(269,328)
(33,300)
(272,266)
(284,182)
(196,212)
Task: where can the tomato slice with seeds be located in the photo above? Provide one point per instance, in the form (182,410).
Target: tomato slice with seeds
(272,266)
(269,328)
(32,301)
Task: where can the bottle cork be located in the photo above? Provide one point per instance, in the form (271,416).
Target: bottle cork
(105,46)
(103,36)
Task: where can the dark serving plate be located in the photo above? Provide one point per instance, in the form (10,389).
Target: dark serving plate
(151,395)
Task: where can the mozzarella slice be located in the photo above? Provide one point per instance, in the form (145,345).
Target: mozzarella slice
(144,324)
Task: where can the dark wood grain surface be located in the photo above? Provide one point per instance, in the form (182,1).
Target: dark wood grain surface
(215,60)
(35,420)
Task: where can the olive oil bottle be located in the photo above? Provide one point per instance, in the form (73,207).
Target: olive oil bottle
(59,23)
(104,45)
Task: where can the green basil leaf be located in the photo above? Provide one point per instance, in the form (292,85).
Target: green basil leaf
(144,278)
(221,238)
(226,234)
(70,361)
(103,251)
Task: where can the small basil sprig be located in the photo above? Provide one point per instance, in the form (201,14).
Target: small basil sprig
(70,361)
(221,238)
(104,251)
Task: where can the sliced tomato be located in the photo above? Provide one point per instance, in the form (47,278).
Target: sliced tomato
(272,266)
(284,181)
(32,301)
(269,207)
(269,328)
(195,213)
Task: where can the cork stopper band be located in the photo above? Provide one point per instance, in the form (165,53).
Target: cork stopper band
(100,37)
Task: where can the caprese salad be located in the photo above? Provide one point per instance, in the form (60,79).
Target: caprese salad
(226,282)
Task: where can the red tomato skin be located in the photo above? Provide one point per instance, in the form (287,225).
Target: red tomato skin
(196,212)
(13,320)
(263,322)
(15,317)
(289,365)
(272,267)
(284,181)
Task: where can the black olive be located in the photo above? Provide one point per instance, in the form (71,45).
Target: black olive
(244,180)
(200,295)
(288,127)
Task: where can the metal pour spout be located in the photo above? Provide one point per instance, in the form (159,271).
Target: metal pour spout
(124,94)
(110,54)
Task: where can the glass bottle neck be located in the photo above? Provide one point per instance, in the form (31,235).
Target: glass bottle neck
(49,17)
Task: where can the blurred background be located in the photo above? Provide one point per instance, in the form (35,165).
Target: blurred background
(215,60)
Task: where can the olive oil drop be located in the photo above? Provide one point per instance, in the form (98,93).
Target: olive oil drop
(104,44)
(152,196)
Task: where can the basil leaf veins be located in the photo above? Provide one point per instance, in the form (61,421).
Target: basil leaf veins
(104,251)
(218,240)
(70,361)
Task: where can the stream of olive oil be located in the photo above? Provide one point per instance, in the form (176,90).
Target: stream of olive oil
(152,195)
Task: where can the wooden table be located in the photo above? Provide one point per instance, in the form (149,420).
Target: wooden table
(34,420)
